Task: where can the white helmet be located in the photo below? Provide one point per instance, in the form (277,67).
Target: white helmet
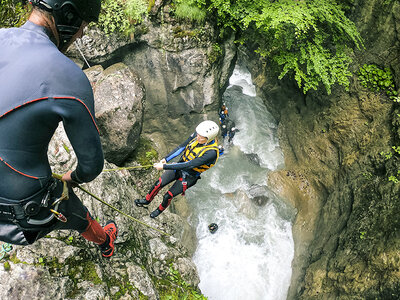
(208,129)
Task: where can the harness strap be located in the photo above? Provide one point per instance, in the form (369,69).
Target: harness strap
(15,210)
(184,182)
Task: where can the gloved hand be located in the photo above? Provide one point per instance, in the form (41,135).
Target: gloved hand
(159,166)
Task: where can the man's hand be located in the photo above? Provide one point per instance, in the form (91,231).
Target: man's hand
(159,166)
(67,178)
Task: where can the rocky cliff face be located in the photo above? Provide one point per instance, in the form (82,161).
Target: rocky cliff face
(336,172)
(64,265)
(184,67)
(158,84)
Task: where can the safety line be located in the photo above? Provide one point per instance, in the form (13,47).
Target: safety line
(127,168)
(114,208)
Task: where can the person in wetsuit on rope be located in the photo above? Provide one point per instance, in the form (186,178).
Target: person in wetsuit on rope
(39,88)
(199,153)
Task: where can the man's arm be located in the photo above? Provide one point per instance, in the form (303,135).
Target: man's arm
(82,132)
(206,159)
(178,150)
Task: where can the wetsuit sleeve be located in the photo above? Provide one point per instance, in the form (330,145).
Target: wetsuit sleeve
(178,150)
(206,159)
(79,124)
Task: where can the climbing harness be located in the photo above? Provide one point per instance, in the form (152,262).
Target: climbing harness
(114,208)
(59,216)
(64,196)
(184,182)
(28,208)
(5,248)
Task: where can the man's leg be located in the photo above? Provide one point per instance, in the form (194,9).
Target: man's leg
(166,178)
(175,189)
(79,218)
(103,237)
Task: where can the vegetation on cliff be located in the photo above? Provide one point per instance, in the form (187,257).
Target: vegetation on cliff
(308,40)
(12,13)
(304,39)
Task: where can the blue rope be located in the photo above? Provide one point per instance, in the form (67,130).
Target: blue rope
(6,247)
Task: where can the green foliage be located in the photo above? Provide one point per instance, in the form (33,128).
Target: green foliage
(179,288)
(377,79)
(367,175)
(135,9)
(395,178)
(144,154)
(179,32)
(307,39)
(393,154)
(215,53)
(66,148)
(120,16)
(189,10)
(362,235)
(387,155)
(150,155)
(12,13)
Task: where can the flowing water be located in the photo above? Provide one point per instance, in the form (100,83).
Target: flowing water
(250,255)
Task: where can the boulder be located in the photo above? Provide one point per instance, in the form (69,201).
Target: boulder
(184,69)
(119,98)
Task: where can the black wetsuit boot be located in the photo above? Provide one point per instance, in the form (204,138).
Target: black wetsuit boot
(142,202)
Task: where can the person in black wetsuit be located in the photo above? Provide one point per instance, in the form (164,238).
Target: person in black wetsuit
(228,129)
(40,87)
(223,113)
(199,153)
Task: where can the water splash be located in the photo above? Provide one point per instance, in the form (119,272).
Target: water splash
(250,255)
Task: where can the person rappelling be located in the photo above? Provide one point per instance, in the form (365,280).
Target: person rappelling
(199,152)
(41,87)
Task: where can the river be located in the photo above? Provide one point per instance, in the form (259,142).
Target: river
(250,255)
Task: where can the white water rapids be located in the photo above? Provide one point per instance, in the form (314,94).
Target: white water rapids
(250,255)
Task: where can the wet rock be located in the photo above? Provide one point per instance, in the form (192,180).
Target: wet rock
(253,157)
(260,194)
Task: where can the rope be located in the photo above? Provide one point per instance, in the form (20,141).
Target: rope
(6,247)
(79,49)
(127,168)
(114,208)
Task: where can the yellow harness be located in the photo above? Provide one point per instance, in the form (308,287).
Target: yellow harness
(194,150)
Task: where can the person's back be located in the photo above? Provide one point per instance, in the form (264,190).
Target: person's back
(34,76)
(41,87)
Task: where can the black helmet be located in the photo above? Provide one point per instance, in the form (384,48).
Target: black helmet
(69,14)
(88,10)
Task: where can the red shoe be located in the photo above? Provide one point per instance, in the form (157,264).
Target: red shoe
(107,248)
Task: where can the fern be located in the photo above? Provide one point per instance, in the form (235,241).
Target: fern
(307,39)
(120,16)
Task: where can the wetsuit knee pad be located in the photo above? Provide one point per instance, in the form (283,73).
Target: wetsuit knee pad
(166,200)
